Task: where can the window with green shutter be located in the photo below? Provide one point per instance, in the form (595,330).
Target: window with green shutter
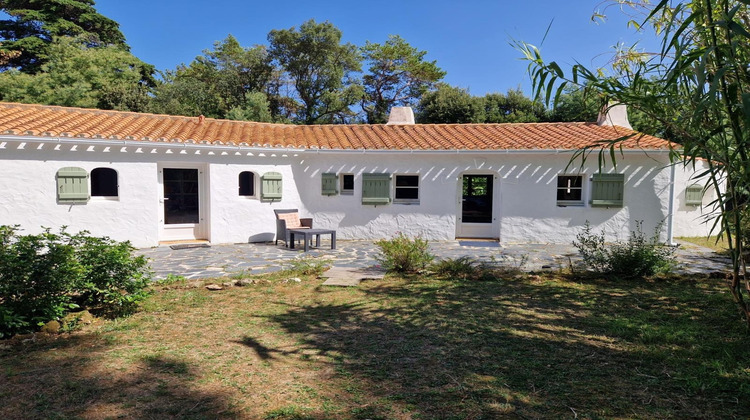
(694,195)
(376,189)
(607,190)
(330,184)
(72,185)
(271,186)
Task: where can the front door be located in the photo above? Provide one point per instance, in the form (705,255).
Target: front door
(477,218)
(182,200)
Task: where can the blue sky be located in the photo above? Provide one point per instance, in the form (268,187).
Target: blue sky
(470,39)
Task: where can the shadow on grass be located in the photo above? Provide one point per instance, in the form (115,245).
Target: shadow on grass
(444,349)
(52,380)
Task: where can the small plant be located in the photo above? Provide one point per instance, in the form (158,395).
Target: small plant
(403,254)
(309,266)
(462,268)
(171,279)
(639,256)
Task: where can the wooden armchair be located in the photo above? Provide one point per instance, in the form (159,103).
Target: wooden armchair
(289,219)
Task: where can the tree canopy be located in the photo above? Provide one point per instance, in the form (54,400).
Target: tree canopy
(32,26)
(216,82)
(319,68)
(397,75)
(453,105)
(75,75)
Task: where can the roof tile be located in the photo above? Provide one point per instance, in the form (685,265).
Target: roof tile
(25,119)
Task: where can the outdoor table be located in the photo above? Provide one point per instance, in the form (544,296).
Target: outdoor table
(307,234)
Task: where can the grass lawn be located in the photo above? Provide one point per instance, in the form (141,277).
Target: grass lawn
(711,242)
(533,347)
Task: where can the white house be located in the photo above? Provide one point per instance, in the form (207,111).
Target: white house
(151,178)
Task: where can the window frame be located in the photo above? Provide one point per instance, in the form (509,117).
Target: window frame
(92,174)
(342,182)
(572,203)
(253,185)
(396,188)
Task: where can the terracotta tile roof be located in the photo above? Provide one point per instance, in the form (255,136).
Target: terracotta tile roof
(54,121)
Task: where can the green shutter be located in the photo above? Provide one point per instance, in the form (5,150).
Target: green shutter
(72,185)
(694,195)
(607,190)
(330,184)
(376,189)
(270,188)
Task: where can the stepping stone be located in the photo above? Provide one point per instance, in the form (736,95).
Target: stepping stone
(189,246)
(350,276)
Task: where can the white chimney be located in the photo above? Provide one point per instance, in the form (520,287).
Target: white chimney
(614,115)
(401,115)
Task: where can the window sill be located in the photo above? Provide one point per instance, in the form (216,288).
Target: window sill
(405,202)
(345,192)
(571,204)
(105,198)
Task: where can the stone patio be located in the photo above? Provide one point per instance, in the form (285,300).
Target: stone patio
(227,259)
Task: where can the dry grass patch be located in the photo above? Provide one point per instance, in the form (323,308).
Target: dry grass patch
(397,349)
(719,245)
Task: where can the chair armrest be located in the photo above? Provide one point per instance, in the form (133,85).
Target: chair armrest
(306,222)
(280,225)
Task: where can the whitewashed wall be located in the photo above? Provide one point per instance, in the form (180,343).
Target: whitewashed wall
(28,194)
(525,207)
(692,220)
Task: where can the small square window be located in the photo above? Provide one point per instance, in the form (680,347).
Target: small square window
(569,190)
(347,184)
(407,189)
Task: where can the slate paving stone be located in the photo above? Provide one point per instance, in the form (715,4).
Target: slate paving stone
(225,260)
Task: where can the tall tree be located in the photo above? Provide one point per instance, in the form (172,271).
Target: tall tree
(698,87)
(449,105)
(216,82)
(319,67)
(32,25)
(77,75)
(513,107)
(574,105)
(397,75)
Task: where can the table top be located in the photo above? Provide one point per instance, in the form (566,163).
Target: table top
(312,231)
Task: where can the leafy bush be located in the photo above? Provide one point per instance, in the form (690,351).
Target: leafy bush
(45,275)
(37,274)
(639,256)
(113,279)
(403,254)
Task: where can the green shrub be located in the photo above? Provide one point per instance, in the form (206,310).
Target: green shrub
(113,280)
(37,274)
(404,255)
(639,256)
(43,276)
